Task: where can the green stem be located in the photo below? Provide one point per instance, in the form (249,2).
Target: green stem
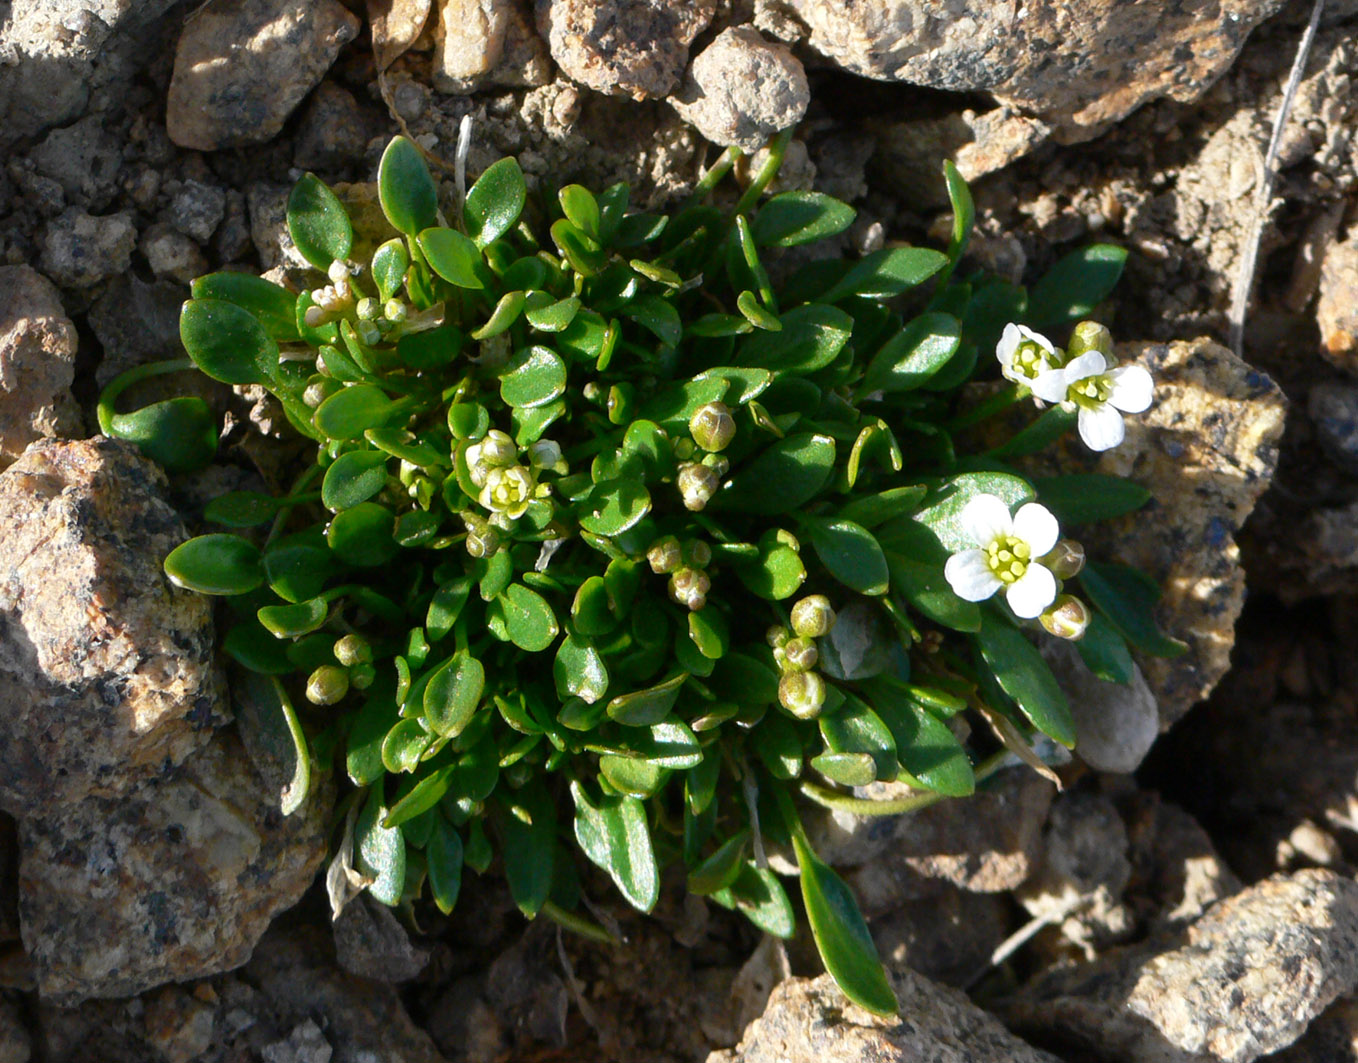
(767,172)
(105,412)
(864,806)
(297,495)
(578,924)
(712,178)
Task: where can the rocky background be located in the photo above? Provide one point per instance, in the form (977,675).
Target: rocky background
(1189,894)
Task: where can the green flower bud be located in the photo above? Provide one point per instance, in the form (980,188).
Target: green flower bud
(1067,618)
(802,694)
(1089,336)
(812,617)
(689,587)
(316,393)
(327,685)
(665,556)
(1065,560)
(800,654)
(697,553)
(697,484)
(314,317)
(367,309)
(683,449)
(361,676)
(353,649)
(777,636)
(712,426)
(369,333)
(394,311)
(482,538)
(718,463)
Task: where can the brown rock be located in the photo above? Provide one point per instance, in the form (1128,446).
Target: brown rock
(484,43)
(242,67)
(37,362)
(1337,310)
(1243,982)
(175,880)
(948,937)
(809,1021)
(106,670)
(634,48)
(1177,873)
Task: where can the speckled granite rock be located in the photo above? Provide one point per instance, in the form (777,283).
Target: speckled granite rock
(634,48)
(79,250)
(37,362)
(106,671)
(1337,309)
(485,43)
(242,67)
(809,1021)
(1245,981)
(1079,65)
(174,880)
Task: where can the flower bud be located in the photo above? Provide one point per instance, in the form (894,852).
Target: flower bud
(353,649)
(544,454)
(1089,336)
(369,333)
(697,484)
(697,553)
(361,676)
(712,426)
(802,694)
(1067,618)
(495,451)
(718,463)
(338,272)
(1065,560)
(482,538)
(314,316)
(689,587)
(777,636)
(800,654)
(812,617)
(316,393)
(327,685)
(367,308)
(683,449)
(665,556)
(394,311)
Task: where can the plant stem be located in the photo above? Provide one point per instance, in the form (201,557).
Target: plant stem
(578,924)
(715,173)
(104,411)
(767,172)
(865,806)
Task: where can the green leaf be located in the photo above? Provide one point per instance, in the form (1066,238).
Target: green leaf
(292,621)
(495,201)
(760,897)
(1039,435)
(842,936)
(925,745)
(591,611)
(794,218)
(405,188)
(722,868)
(404,745)
(249,644)
(362,535)
(354,477)
(1083,498)
(872,510)
(318,223)
(1128,598)
(887,273)
(298,566)
(423,796)
(349,412)
(444,856)
(709,632)
(780,747)
(179,434)
(453,257)
(241,509)
(579,670)
(553,317)
(380,852)
(585,256)
(629,775)
(529,848)
(431,349)
(529,620)
(942,512)
(811,338)
(363,759)
(642,708)
(777,574)
(453,693)
(389,265)
(215,564)
(533,377)
(1104,651)
(227,343)
(656,315)
(855,728)
(272,305)
(963,210)
(581,209)
(614,835)
(851,555)
(783,477)
(914,354)
(1074,286)
(1026,677)
(924,585)
(614,506)
(506,312)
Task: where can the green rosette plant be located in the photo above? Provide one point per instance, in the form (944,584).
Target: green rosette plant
(616,547)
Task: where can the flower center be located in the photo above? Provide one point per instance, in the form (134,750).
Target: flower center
(1091,391)
(1007,557)
(1030,359)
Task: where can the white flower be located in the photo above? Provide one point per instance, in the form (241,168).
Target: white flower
(1025,355)
(495,451)
(508,491)
(1006,555)
(1102,395)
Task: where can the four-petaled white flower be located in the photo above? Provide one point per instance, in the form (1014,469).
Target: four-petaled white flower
(1100,393)
(1006,556)
(508,491)
(1025,355)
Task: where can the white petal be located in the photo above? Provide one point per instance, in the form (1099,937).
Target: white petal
(1101,427)
(1091,363)
(1033,593)
(985,518)
(1050,386)
(1036,526)
(1009,341)
(1132,389)
(1037,338)
(970,577)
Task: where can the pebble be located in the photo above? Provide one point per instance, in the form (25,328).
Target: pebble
(80,250)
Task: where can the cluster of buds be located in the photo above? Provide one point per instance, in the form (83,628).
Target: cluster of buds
(335,299)
(372,319)
(801,690)
(508,477)
(329,683)
(712,428)
(686,565)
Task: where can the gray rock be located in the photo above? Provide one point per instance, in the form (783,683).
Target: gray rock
(809,1021)
(1116,725)
(106,671)
(84,158)
(37,362)
(1334,412)
(636,48)
(135,322)
(371,942)
(1245,981)
(15,1044)
(233,238)
(268,205)
(333,132)
(243,66)
(196,209)
(172,255)
(80,250)
(305,1044)
(1176,870)
(947,937)
(1332,1038)
(741,90)
(486,43)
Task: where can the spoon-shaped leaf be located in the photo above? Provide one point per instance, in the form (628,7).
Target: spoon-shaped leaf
(215,564)
(228,343)
(318,223)
(405,188)
(495,201)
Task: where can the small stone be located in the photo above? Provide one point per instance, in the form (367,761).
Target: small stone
(371,943)
(1334,412)
(179,1025)
(488,43)
(233,239)
(268,204)
(742,90)
(84,158)
(80,250)
(172,255)
(135,322)
(196,209)
(1337,308)
(333,133)
(948,936)
(1178,873)
(305,1044)
(1332,1038)
(243,66)
(1116,724)
(636,48)
(37,362)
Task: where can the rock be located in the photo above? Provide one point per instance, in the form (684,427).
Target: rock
(809,1021)
(636,48)
(15,1044)
(80,250)
(179,1025)
(174,880)
(488,43)
(1116,725)
(268,205)
(371,943)
(1337,309)
(305,1044)
(1176,871)
(742,90)
(85,159)
(135,322)
(1334,413)
(37,362)
(172,255)
(107,673)
(948,937)
(1243,982)
(196,209)
(333,132)
(242,67)
(1080,66)
(1332,1038)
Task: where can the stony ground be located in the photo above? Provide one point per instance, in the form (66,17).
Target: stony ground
(1194,879)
